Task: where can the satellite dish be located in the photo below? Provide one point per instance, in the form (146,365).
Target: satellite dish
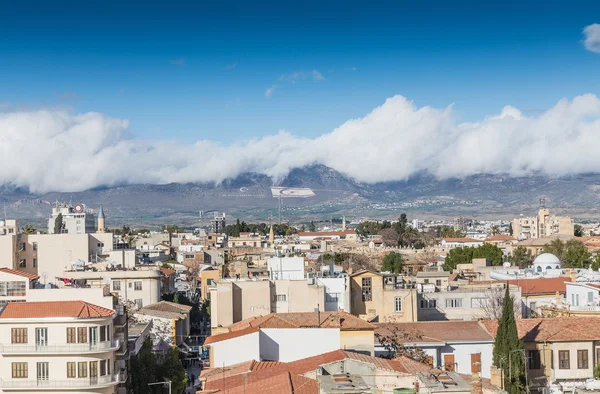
(79,208)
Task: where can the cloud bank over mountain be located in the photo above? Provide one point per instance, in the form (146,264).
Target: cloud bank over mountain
(55,150)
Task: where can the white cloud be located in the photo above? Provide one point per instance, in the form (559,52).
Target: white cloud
(293,77)
(270,91)
(79,151)
(178,62)
(592,37)
(317,76)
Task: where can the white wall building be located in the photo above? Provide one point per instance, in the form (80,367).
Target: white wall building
(75,219)
(286,268)
(66,346)
(582,296)
(450,243)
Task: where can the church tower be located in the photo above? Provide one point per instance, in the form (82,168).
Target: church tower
(101,224)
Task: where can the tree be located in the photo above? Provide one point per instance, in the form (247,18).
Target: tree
(172,369)
(495,230)
(508,349)
(510,229)
(311,227)
(58,224)
(578,230)
(393,339)
(143,369)
(393,263)
(390,237)
(576,254)
(368,228)
(466,255)
(29,229)
(493,304)
(521,257)
(555,247)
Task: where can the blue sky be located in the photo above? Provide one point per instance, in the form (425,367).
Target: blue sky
(199,70)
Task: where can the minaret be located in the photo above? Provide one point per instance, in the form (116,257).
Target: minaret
(101,225)
(271,236)
(344,223)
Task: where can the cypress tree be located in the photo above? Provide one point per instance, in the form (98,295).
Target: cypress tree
(508,349)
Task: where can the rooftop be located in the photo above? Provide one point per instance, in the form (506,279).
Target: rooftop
(20,273)
(541,285)
(462,240)
(48,309)
(435,331)
(553,329)
(166,309)
(500,237)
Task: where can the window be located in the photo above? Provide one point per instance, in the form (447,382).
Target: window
(137,285)
(280,297)
(478,302)
(102,333)
(426,281)
(367,295)
(582,359)
(13,288)
(35,246)
(563,359)
(590,297)
(454,303)
(19,335)
(81,334)
(333,297)
(139,302)
(116,285)
(19,370)
(189,256)
(532,308)
(102,367)
(428,304)
(82,369)
(438,282)
(398,304)
(34,263)
(108,367)
(23,263)
(534,359)
(71,335)
(71,370)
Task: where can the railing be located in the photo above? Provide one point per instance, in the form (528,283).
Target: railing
(50,384)
(61,348)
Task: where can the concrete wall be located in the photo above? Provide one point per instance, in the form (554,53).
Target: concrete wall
(239,300)
(335,287)
(358,341)
(286,268)
(291,344)
(573,373)
(235,350)
(299,296)
(581,295)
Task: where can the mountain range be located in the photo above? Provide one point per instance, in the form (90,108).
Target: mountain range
(249,197)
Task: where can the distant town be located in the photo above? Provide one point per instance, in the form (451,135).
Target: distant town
(344,305)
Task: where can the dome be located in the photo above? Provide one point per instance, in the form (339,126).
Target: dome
(546,258)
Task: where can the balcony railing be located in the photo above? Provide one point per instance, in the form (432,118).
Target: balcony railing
(50,384)
(97,347)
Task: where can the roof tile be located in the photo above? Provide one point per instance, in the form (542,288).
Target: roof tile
(47,309)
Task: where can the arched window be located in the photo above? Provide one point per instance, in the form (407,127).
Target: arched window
(539,269)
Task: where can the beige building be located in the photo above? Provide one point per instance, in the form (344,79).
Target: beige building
(245,240)
(207,278)
(542,225)
(381,298)
(66,346)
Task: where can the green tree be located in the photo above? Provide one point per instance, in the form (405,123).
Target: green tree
(555,247)
(58,224)
(576,254)
(172,369)
(393,263)
(29,229)
(494,230)
(578,230)
(143,369)
(312,227)
(510,229)
(467,254)
(508,349)
(521,257)
(368,228)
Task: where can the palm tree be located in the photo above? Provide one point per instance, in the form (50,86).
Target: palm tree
(29,229)
(495,230)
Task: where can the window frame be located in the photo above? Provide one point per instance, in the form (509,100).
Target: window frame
(564,362)
(135,285)
(82,366)
(583,362)
(534,359)
(82,335)
(19,335)
(19,370)
(367,289)
(397,302)
(71,370)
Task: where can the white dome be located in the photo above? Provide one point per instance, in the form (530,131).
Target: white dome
(545,259)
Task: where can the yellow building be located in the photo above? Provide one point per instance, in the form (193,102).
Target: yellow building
(381,298)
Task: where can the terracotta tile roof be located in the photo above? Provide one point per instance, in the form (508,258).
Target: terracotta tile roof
(310,364)
(541,285)
(230,335)
(435,331)
(461,240)
(247,366)
(553,329)
(282,383)
(47,309)
(20,273)
(167,271)
(501,237)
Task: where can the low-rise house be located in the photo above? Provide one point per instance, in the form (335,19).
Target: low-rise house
(168,280)
(171,321)
(208,277)
(503,241)
(455,346)
(63,346)
(289,337)
(451,243)
(536,293)
(286,268)
(432,280)
(349,235)
(381,297)
(245,240)
(557,350)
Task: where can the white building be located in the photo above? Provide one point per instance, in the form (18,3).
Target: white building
(460,242)
(66,346)
(583,296)
(286,268)
(75,219)
(546,263)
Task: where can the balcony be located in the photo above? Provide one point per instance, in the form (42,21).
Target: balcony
(76,348)
(69,384)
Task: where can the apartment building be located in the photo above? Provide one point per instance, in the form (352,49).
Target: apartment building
(65,346)
(245,240)
(75,219)
(170,321)
(381,297)
(236,300)
(542,225)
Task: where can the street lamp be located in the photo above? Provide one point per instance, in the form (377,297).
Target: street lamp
(168,382)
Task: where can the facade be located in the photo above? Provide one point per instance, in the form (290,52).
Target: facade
(275,337)
(558,350)
(66,346)
(381,298)
(536,293)
(450,243)
(542,225)
(207,278)
(286,268)
(170,321)
(245,240)
(454,346)
(349,235)
(75,219)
